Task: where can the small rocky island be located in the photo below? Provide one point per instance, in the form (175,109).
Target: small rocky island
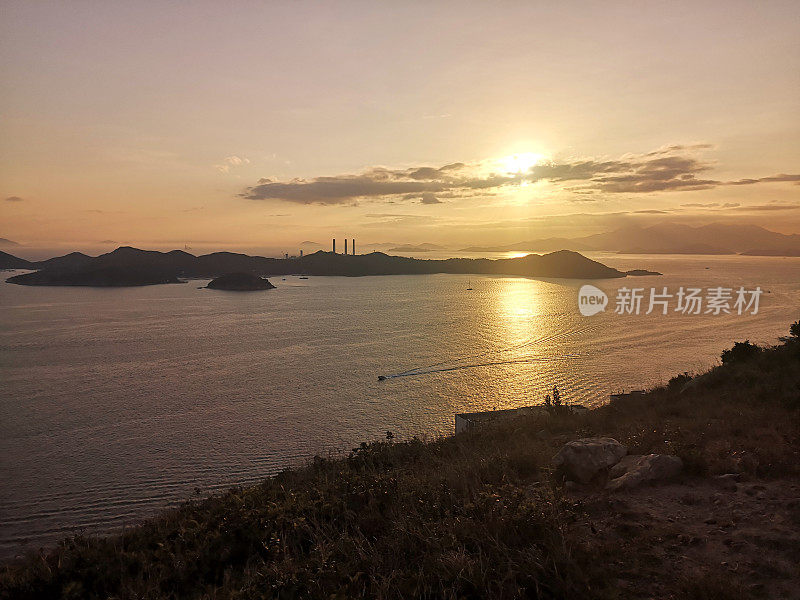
(641,273)
(240,282)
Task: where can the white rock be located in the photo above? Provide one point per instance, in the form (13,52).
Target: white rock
(636,470)
(581,460)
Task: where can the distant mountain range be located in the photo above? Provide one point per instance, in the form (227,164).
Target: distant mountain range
(668,238)
(412,248)
(147,266)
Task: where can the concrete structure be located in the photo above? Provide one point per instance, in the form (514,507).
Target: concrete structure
(354,246)
(345,246)
(334,245)
(466,421)
(624,395)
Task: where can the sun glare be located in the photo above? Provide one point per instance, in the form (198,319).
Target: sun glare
(519,163)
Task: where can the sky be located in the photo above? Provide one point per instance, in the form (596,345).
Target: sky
(262,125)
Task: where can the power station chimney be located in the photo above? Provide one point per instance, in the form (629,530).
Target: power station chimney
(345,245)
(354,246)
(334,245)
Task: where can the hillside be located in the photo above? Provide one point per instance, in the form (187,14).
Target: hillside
(9,261)
(481,514)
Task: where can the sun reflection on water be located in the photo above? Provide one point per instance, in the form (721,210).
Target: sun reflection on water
(518,309)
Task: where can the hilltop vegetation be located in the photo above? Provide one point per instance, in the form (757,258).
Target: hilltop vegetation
(480,515)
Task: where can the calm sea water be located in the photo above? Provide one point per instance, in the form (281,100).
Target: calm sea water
(117,402)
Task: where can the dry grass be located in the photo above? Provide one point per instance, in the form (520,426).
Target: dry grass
(472,516)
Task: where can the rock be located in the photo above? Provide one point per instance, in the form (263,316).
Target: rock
(644,469)
(581,460)
(728,481)
(624,465)
(717,499)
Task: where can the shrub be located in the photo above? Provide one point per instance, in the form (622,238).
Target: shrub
(794,333)
(554,404)
(676,383)
(741,351)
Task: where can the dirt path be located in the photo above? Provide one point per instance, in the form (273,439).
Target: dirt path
(706,538)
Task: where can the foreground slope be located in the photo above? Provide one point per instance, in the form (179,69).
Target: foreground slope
(479,514)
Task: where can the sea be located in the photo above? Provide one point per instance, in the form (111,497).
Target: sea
(117,403)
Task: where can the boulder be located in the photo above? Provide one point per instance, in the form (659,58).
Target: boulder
(581,460)
(635,470)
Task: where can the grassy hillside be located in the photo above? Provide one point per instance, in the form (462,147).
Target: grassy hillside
(472,516)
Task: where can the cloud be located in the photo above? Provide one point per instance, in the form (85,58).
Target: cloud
(670,168)
(712,205)
(382,183)
(230,162)
(14,199)
(767,207)
(781,177)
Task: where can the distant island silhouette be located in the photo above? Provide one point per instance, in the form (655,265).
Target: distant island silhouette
(131,266)
(240,282)
(99,276)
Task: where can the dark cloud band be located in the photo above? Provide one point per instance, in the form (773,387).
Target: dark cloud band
(672,168)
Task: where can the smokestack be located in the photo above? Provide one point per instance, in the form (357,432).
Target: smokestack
(354,246)
(345,245)
(334,245)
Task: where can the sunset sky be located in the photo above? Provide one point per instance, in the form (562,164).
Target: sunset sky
(264,124)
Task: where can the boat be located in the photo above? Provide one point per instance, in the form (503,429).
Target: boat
(469,285)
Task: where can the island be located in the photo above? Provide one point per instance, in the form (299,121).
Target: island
(97,277)
(132,266)
(9,261)
(240,282)
(641,273)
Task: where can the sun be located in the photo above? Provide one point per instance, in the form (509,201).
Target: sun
(519,163)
